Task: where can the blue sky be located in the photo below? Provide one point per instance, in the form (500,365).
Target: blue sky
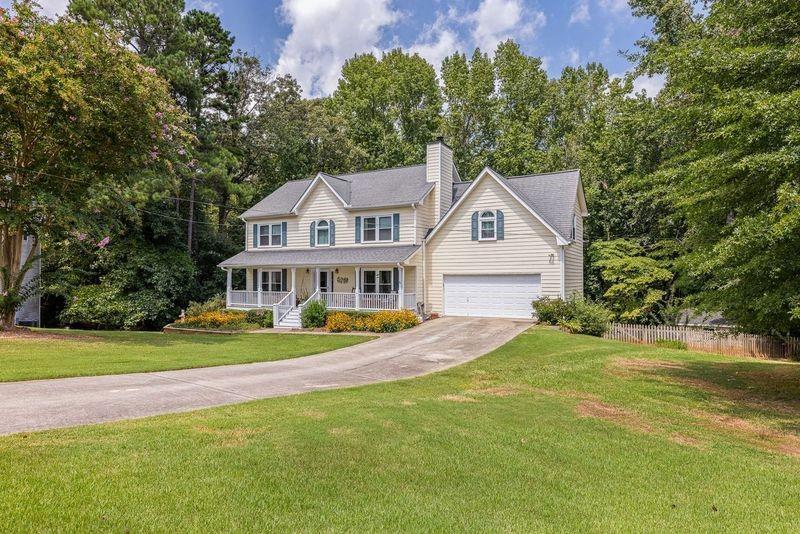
(310,39)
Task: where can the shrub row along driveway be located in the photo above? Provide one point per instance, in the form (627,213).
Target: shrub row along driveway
(432,346)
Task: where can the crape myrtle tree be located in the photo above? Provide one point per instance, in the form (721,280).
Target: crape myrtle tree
(78,113)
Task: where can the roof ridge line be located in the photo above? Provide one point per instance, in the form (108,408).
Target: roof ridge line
(385,169)
(542,173)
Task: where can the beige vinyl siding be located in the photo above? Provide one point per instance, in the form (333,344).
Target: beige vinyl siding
(528,248)
(426,216)
(573,255)
(321,203)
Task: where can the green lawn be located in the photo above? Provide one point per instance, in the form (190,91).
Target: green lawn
(551,432)
(81,353)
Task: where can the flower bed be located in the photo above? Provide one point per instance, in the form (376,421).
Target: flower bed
(380,322)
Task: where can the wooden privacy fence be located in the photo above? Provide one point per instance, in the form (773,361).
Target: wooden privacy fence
(719,341)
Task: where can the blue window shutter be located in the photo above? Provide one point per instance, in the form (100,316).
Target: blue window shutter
(332,239)
(283,277)
(396,227)
(396,280)
(255,235)
(475,226)
(358,229)
(500,225)
(255,280)
(283,234)
(311,236)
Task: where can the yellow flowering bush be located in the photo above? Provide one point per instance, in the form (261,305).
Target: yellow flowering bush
(382,321)
(221,319)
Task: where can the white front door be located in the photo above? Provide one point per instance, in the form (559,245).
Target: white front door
(491,295)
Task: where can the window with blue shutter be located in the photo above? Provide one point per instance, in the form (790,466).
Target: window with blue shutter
(333,232)
(283,234)
(475,226)
(500,225)
(358,229)
(395,227)
(255,235)
(312,232)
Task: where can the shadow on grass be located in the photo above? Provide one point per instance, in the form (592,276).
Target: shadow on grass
(150,339)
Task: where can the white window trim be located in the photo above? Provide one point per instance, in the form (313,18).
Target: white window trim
(377,228)
(481,219)
(574,227)
(270,274)
(377,281)
(269,235)
(316,233)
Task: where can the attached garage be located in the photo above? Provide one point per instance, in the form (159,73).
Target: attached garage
(491,295)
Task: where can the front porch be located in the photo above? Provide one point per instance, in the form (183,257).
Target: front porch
(370,288)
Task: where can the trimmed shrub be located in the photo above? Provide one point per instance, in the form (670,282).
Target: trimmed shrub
(261,317)
(313,314)
(339,322)
(215,303)
(576,315)
(218,320)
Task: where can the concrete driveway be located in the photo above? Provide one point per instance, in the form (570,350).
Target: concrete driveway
(433,346)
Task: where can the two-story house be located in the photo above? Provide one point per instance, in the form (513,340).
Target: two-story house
(414,237)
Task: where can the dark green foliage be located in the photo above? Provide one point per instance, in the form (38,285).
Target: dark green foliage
(576,315)
(262,317)
(314,314)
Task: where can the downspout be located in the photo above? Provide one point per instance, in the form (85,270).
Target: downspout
(562,263)
(424,277)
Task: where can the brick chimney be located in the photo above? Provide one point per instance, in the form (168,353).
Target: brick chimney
(439,170)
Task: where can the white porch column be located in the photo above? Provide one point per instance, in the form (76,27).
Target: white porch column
(294,281)
(258,287)
(401,287)
(358,288)
(229,274)
(316,280)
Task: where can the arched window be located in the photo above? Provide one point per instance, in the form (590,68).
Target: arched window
(488,221)
(323,233)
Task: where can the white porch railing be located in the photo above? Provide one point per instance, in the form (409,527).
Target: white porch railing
(379,301)
(410,301)
(282,307)
(343,301)
(254,299)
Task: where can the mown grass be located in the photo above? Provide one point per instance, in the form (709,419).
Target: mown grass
(63,353)
(551,432)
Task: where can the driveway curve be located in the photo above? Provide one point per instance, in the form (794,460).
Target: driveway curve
(430,347)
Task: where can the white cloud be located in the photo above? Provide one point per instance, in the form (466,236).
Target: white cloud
(574,56)
(204,5)
(651,84)
(581,13)
(53,8)
(438,40)
(615,6)
(325,33)
(497,20)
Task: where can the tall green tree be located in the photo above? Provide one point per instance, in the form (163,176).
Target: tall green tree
(733,100)
(77,114)
(469,121)
(391,106)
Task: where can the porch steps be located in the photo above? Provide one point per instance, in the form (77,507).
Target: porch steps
(292,319)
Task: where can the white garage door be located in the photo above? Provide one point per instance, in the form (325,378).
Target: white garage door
(491,295)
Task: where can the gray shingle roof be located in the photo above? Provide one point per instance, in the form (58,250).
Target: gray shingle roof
(399,186)
(551,195)
(363,255)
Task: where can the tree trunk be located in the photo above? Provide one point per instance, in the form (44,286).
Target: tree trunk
(11,240)
(191,217)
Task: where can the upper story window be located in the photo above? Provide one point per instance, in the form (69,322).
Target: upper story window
(323,233)
(574,226)
(488,225)
(377,229)
(269,235)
